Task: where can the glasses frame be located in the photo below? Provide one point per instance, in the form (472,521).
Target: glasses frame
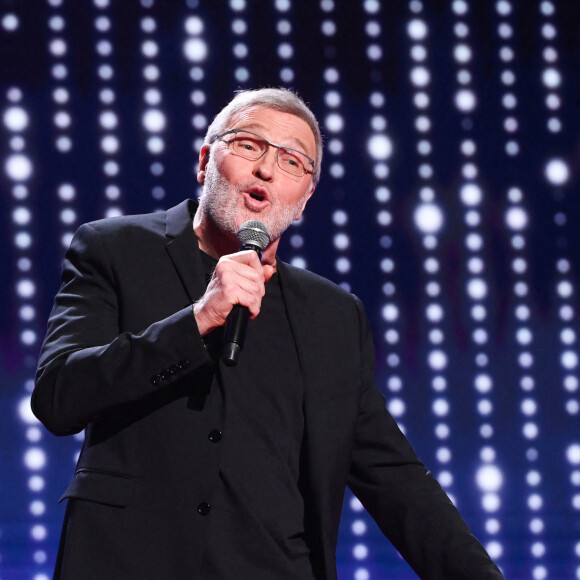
(270,144)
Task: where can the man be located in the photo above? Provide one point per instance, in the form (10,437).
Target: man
(195,469)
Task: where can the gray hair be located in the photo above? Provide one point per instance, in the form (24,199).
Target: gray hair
(279,99)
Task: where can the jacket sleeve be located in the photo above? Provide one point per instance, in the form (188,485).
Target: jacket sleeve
(87,365)
(401,495)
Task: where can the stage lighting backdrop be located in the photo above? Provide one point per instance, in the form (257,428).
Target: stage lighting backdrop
(448,203)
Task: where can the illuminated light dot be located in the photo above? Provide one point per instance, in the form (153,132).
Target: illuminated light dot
(571,383)
(328,28)
(282,5)
(397,408)
(428,218)
(355,505)
(337,170)
(154,120)
(475,265)
(572,407)
(384,218)
(331,75)
(334,122)
(390,312)
(379,147)
(373,28)
(484,407)
(538,549)
(395,384)
(155,145)
(284,27)
(21,216)
(372,6)
(462,53)
(474,242)
(242,74)
(443,455)
(460,7)
(551,78)
(519,265)
(536,526)
(465,100)
(391,336)
(299,262)
(108,120)
(487,454)
(378,123)
(445,478)
(421,100)
(442,431)
(573,454)
(420,76)
(35,458)
(492,526)
(566,313)
(387,265)
(489,478)
(422,124)
(341,241)
(576,502)
(25,288)
(554,125)
(15,118)
(431,265)
(240,50)
(477,288)
(37,508)
(36,483)
(439,384)
(440,407)
(569,359)
(568,336)
(471,194)
(565,289)
(193,25)
(110,144)
(18,167)
(342,265)
(340,217)
(27,313)
(494,549)
(362,574)
(360,552)
(358,527)
(530,430)
(417,29)
(516,218)
(25,412)
(539,573)
(111,168)
(486,431)
(374,52)
(195,49)
(10,22)
(525,359)
(38,533)
(436,336)
(434,312)
(490,502)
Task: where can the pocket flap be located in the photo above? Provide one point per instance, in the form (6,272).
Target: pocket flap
(107,488)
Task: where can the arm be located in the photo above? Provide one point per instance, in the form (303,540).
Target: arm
(407,503)
(88,364)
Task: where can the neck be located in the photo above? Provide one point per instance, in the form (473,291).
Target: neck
(217,243)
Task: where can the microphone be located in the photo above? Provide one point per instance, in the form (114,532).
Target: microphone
(252,235)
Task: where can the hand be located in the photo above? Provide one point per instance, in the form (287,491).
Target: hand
(238,279)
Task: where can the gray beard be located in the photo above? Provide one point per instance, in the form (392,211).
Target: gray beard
(221,202)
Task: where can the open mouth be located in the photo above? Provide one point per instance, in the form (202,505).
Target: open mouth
(257,196)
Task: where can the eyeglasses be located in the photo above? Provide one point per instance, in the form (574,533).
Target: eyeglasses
(253,147)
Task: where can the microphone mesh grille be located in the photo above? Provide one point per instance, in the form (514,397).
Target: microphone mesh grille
(254,232)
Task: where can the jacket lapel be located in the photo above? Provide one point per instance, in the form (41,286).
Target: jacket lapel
(183,248)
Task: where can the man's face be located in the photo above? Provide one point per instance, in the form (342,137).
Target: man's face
(237,189)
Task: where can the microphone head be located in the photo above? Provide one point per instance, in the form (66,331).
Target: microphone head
(253,233)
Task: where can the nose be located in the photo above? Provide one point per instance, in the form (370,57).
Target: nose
(264,167)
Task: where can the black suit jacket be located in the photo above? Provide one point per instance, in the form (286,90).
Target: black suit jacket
(124,360)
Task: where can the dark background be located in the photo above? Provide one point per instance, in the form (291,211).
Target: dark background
(359,230)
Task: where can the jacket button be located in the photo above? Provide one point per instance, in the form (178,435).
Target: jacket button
(203,508)
(165,375)
(215,436)
(156,379)
(183,363)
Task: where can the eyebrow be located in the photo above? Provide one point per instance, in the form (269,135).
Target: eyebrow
(259,126)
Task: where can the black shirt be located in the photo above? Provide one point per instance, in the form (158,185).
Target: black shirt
(256,525)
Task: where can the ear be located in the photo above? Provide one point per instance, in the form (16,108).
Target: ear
(203,160)
(305,201)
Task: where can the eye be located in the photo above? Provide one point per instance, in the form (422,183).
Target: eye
(247,144)
(289,159)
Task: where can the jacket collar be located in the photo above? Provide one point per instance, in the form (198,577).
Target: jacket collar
(183,248)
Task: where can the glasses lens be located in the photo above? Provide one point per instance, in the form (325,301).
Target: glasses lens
(248,145)
(291,162)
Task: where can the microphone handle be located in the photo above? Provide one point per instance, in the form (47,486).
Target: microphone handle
(237,324)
